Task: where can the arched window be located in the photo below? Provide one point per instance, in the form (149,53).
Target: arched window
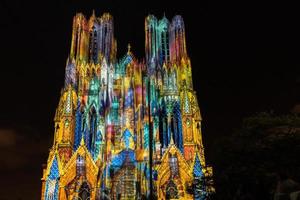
(165,45)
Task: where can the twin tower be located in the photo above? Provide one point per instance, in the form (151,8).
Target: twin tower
(127,129)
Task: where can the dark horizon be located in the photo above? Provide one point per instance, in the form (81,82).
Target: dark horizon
(243,63)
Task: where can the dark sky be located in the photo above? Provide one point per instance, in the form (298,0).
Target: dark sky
(245,59)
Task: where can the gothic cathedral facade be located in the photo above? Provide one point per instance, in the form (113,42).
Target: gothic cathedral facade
(127,129)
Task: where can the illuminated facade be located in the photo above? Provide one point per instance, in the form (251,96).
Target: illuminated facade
(119,118)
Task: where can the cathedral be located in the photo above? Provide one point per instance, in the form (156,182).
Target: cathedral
(127,128)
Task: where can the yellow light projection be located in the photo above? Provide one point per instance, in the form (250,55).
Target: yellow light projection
(124,128)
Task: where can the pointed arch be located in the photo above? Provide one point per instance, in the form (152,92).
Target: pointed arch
(177,170)
(74,165)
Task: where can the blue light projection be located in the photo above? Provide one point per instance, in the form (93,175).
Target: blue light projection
(52,182)
(178,128)
(126,136)
(129,114)
(125,157)
(199,181)
(197,168)
(78,123)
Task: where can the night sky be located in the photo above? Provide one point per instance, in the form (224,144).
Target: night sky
(245,59)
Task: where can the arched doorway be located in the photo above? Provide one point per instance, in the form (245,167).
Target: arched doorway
(84,192)
(171,190)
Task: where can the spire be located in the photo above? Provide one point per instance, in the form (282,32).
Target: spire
(82,141)
(172,141)
(128,48)
(93,15)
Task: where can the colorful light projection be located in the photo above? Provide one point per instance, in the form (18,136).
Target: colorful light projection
(122,126)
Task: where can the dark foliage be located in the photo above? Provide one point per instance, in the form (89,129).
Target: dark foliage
(247,162)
